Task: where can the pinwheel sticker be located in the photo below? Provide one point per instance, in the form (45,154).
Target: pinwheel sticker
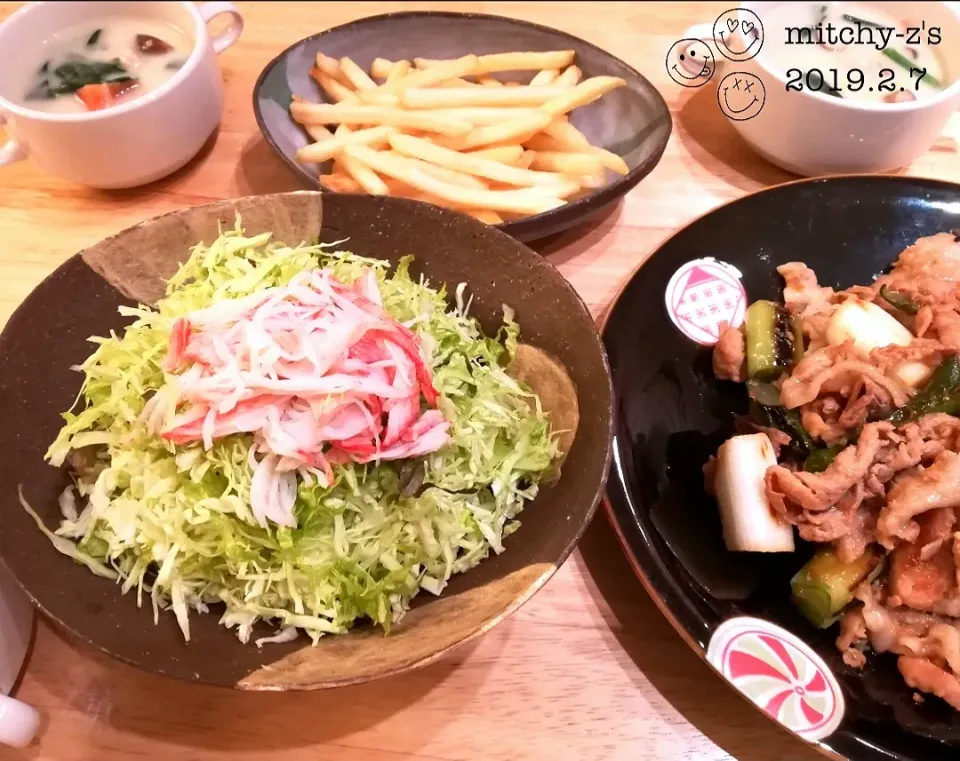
(780,674)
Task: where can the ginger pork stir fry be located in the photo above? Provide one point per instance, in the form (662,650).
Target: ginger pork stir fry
(853,437)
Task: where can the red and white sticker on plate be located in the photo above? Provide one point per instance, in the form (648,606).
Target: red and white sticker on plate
(780,674)
(701,295)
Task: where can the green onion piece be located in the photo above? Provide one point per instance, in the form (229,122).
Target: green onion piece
(907,64)
(941,394)
(92,39)
(825,585)
(789,422)
(898,300)
(765,393)
(819,459)
(865,22)
(771,338)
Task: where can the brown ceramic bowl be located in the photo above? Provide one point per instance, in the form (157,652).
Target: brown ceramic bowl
(48,334)
(632,121)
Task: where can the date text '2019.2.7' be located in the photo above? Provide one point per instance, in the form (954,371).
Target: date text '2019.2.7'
(835,82)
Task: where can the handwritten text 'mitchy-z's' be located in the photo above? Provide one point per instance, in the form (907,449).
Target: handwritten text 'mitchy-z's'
(863,34)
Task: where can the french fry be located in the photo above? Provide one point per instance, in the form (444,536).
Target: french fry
(566,186)
(336,91)
(566,134)
(459,67)
(447,175)
(610,160)
(585,92)
(355,75)
(449,133)
(544,77)
(398,71)
(505,154)
(400,189)
(327,149)
(364,175)
(330,67)
(481,115)
(467,97)
(570,77)
(380,68)
(485,215)
(526,159)
(521,201)
(514,130)
(566,163)
(340,183)
(407,191)
(455,82)
(377,98)
(593,181)
(318,132)
(544,142)
(555,59)
(470,164)
(325,113)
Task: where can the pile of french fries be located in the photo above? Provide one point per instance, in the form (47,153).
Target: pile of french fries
(449,133)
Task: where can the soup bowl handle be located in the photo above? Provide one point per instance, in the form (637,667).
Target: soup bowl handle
(11,151)
(228,36)
(700,32)
(18,722)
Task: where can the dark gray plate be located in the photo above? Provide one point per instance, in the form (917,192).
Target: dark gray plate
(633,121)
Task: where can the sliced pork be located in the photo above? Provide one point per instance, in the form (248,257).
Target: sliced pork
(884,488)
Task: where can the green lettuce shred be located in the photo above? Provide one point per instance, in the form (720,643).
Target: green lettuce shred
(174,523)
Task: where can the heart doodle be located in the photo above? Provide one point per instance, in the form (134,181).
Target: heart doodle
(748,27)
(732,24)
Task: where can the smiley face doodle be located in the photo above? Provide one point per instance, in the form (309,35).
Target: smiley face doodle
(741,95)
(738,34)
(690,62)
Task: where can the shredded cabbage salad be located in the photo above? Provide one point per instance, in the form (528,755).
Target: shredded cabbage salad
(173,521)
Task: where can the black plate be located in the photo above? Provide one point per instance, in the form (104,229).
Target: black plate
(633,121)
(671,415)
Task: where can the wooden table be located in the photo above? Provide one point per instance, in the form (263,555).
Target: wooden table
(589,669)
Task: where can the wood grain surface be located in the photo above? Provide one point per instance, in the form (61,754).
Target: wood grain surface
(589,669)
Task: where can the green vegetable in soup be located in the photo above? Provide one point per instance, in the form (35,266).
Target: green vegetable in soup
(901,60)
(71,75)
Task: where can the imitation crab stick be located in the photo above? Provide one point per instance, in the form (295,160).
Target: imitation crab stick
(316,370)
